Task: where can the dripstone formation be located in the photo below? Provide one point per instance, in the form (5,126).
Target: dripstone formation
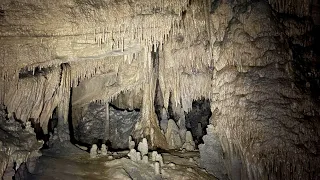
(110,69)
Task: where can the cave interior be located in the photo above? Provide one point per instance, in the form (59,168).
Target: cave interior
(160,89)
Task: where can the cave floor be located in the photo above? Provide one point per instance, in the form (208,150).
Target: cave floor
(66,162)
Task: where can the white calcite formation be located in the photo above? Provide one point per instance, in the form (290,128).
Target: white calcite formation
(131,143)
(154,155)
(145,159)
(164,120)
(139,158)
(104,150)
(143,147)
(238,54)
(189,144)
(94,151)
(157,168)
(159,159)
(173,135)
(133,155)
(29,128)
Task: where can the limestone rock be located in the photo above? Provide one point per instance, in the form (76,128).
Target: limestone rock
(154,155)
(91,126)
(143,147)
(104,150)
(189,144)
(132,144)
(164,120)
(172,165)
(29,128)
(157,168)
(94,151)
(145,159)
(134,155)
(17,146)
(159,159)
(211,154)
(139,156)
(240,55)
(122,124)
(173,135)
(198,117)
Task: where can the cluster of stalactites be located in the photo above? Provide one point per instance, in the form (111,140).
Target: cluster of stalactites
(183,74)
(184,88)
(150,24)
(37,97)
(300,8)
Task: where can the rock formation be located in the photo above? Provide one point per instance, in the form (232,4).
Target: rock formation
(91,125)
(143,147)
(131,143)
(255,62)
(94,151)
(189,144)
(211,154)
(18,146)
(104,150)
(173,135)
(157,168)
(133,155)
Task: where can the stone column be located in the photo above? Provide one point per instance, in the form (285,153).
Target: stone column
(148,126)
(107,123)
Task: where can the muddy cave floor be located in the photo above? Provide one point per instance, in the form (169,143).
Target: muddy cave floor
(65,161)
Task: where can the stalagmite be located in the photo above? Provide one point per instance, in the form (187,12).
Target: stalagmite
(132,144)
(143,147)
(157,168)
(94,151)
(173,135)
(145,159)
(159,159)
(154,155)
(138,156)
(104,150)
(133,155)
(189,144)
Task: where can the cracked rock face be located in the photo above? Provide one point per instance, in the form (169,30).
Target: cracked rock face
(92,126)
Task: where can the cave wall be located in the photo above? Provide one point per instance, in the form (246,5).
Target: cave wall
(18,146)
(237,54)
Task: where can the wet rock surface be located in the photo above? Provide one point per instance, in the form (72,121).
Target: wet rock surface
(92,126)
(122,123)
